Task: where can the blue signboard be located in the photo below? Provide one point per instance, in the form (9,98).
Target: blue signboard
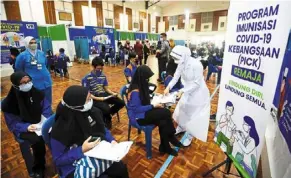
(99,36)
(13,34)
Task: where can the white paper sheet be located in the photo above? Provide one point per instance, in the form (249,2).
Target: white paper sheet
(107,151)
(164,99)
(39,125)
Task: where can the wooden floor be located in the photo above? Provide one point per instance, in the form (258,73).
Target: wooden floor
(191,161)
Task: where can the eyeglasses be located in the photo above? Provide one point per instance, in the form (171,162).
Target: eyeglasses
(32,42)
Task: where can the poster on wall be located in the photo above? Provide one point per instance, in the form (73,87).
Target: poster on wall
(281,110)
(98,37)
(13,34)
(256,40)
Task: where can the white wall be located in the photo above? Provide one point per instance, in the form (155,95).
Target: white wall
(3,13)
(32,10)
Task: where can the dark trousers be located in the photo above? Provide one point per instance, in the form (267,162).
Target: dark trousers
(145,59)
(139,59)
(163,119)
(162,61)
(38,149)
(109,107)
(117,170)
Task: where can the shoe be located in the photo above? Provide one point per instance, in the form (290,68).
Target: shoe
(179,130)
(176,142)
(187,140)
(170,151)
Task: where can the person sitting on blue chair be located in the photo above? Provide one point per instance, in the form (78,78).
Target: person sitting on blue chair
(170,71)
(61,63)
(131,68)
(23,109)
(76,128)
(140,108)
(97,83)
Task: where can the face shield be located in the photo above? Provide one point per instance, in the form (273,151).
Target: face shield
(180,54)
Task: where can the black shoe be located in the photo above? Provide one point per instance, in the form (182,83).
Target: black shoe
(169,151)
(174,141)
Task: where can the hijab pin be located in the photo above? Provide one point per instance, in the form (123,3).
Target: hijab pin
(31,100)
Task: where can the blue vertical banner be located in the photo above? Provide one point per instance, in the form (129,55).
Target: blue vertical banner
(13,34)
(99,36)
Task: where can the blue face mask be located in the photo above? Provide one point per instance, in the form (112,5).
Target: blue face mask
(25,87)
(98,72)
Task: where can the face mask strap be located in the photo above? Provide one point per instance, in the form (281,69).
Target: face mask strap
(71,107)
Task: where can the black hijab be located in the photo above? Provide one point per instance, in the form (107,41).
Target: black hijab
(26,105)
(140,82)
(73,126)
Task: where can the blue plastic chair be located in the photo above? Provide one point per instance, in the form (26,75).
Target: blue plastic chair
(133,123)
(211,69)
(46,129)
(163,76)
(84,85)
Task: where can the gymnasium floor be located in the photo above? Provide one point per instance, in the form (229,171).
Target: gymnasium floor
(191,161)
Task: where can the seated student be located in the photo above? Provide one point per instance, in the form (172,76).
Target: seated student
(23,108)
(61,64)
(112,57)
(76,122)
(140,108)
(97,83)
(170,71)
(131,68)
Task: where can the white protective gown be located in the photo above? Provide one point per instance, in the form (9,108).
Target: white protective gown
(193,110)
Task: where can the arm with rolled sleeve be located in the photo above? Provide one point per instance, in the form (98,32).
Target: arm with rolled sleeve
(20,63)
(15,124)
(62,156)
(134,103)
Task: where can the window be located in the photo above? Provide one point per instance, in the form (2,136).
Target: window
(222,24)
(173,20)
(207,17)
(135,25)
(108,22)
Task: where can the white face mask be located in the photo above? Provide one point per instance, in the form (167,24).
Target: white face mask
(214,54)
(246,128)
(87,106)
(228,112)
(25,87)
(161,39)
(32,46)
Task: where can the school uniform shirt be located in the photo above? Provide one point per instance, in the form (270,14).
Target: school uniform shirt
(135,108)
(96,84)
(37,70)
(176,87)
(62,60)
(17,126)
(65,157)
(129,71)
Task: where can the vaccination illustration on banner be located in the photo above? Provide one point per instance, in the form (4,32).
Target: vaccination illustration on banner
(100,39)
(251,67)
(12,36)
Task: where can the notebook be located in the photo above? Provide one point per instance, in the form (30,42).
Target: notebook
(108,151)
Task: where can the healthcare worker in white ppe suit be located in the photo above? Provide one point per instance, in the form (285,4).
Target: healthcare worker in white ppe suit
(193,110)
